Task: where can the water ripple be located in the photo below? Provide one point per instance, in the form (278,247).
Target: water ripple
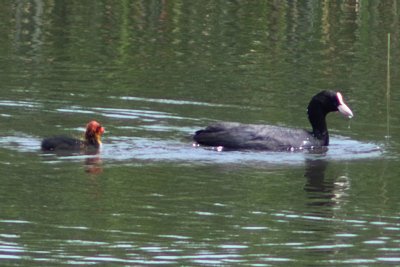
(21,104)
(125,148)
(181,102)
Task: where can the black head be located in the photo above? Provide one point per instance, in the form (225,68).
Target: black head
(320,105)
(330,101)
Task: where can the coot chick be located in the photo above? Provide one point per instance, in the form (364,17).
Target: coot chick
(63,143)
(266,137)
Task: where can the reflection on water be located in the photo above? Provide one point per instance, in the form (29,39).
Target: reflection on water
(322,190)
(94,165)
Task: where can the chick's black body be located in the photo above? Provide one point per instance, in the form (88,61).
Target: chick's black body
(64,143)
(61,143)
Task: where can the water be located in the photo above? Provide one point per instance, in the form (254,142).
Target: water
(154,72)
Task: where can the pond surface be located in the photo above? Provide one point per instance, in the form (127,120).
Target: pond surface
(154,72)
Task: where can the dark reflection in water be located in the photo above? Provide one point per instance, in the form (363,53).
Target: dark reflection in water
(93,165)
(320,190)
(92,158)
(323,191)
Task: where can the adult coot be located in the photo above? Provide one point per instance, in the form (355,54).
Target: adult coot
(91,141)
(266,137)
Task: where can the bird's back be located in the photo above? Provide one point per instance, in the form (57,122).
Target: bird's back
(61,142)
(253,136)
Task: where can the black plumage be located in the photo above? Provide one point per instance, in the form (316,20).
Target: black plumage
(232,135)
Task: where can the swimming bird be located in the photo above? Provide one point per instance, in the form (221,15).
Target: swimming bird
(231,135)
(92,140)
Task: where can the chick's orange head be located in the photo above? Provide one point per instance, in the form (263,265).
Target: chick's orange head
(94,127)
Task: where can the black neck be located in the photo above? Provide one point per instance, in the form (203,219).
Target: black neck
(316,116)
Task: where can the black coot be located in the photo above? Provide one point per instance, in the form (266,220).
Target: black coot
(266,137)
(64,143)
